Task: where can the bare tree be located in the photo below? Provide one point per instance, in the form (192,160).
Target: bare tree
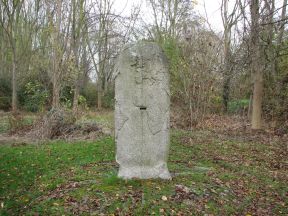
(55,27)
(229,20)
(12,12)
(281,29)
(169,17)
(78,41)
(109,33)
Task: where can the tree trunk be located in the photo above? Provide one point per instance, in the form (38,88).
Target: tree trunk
(282,27)
(257,101)
(249,114)
(56,92)
(226,90)
(270,7)
(99,96)
(56,56)
(75,98)
(14,85)
(257,70)
(77,22)
(227,54)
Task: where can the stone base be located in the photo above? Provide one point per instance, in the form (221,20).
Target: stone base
(144,172)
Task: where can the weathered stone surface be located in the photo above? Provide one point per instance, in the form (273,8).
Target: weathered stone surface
(142,112)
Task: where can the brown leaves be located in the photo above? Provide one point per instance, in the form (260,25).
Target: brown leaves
(85,205)
(60,191)
(133,195)
(183,193)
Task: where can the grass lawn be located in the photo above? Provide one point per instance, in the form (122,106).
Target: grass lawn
(211,175)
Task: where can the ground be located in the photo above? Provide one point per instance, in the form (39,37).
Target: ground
(218,169)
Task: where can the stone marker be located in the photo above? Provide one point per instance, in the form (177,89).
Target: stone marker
(142,112)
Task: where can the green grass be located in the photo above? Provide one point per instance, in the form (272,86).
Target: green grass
(224,177)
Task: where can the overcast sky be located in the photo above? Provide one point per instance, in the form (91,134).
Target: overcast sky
(212,8)
(213,12)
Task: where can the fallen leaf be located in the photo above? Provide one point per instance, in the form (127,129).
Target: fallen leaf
(164,198)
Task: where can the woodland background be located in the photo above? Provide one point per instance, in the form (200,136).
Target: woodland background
(62,53)
(229,103)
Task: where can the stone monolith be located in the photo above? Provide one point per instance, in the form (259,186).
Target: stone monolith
(142,101)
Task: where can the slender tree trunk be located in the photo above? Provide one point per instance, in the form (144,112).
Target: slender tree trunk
(56,85)
(56,62)
(2,56)
(227,55)
(105,61)
(75,98)
(280,36)
(76,29)
(14,84)
(9,21)
(99,95)
(100,78)
(280,86)
(99,101)
(56,93)
(257,70)
(226,89)
(249,114)
(99,104)
(282,27)
(257,100)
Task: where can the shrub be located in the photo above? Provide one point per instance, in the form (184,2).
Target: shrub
(82,102)
(5,103)
(108,99)
(55,122)
(5,94)
(66,97)
(36,97)
(90,93)
(238,106)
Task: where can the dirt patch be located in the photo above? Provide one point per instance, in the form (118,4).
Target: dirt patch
(13,140)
